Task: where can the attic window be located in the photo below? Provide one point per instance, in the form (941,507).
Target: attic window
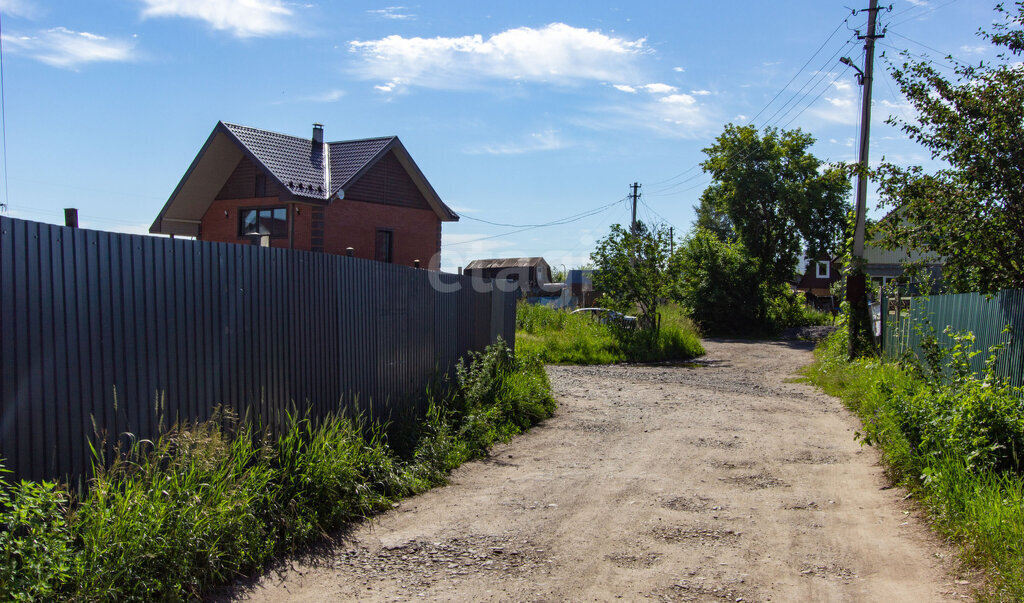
(272,221)
(821,269)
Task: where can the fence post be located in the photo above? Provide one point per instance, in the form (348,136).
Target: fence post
(883,315)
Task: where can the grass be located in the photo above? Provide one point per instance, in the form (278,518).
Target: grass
(954,442)
(209,502)
(560,337)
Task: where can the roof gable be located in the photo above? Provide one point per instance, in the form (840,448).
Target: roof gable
(309,172)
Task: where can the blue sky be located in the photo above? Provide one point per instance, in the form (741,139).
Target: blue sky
(519,113)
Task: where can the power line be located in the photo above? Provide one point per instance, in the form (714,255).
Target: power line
(753,119)
(819,77)
(948,55)
(912,17)
(813,81)
(820,70)
(774,98)
(553,223)
(918,55)
(560,222)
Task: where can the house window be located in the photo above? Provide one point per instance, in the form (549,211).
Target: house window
(272,221)
(385,246)
(261,186)
(821,269)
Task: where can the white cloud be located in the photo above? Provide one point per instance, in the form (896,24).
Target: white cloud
(392,12)
(741,117)
(918,2)
(679,99)
(840,107)
(242,18)
(658,88)
(18,8)
(966,49)
(390,86)
(62,47)
(548,140)
(625,88)
(673,116)
(556,53)
(329,96)
(700,92)
(678,69)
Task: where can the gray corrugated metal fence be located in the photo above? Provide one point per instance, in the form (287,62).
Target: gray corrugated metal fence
(908,321)
(111,333)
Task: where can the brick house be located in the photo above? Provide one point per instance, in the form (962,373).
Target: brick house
(255,187)
(816,282)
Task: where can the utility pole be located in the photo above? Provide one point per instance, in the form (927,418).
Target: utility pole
(671,240)
(635,195)
(856,287)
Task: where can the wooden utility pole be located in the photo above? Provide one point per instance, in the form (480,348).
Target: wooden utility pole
(856,286)
(635,195)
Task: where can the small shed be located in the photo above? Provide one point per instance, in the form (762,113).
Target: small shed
(530,273)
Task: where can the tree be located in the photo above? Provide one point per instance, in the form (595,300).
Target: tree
(971,212)
(776,196)
(632,270)
(717,284)
(712,215)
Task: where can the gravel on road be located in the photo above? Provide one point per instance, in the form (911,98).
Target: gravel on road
(717,480)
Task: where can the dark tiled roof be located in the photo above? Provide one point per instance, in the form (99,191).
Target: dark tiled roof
(318,171)
(296,162)
(348,157)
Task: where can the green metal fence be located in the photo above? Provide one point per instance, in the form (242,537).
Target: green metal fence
(907,320)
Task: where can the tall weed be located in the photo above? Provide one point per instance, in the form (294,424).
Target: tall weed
(954,437)
(208,502)
(560,337)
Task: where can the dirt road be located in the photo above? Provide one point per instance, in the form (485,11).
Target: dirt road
(722,481)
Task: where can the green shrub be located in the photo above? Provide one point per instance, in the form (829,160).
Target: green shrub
(560,337)
(206,503)
(954,437)
(35,542)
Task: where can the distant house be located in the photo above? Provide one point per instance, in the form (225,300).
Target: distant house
(884,265)
(256,187)
(530,273)
(816,283)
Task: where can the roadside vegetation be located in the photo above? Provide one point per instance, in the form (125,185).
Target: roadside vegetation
(954,438)
(209,502)
(560,337)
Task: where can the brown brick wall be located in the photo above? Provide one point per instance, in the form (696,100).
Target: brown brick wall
(217,226)
(347,223)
